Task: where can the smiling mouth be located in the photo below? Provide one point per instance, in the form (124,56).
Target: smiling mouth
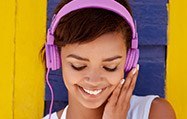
(91,93)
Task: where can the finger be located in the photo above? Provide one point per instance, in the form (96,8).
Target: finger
(133,82)
(132,85)
(115,94)
(129,78)
(127,97)
(129,85)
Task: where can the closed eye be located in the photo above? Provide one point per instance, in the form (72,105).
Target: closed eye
(82,67)
(109,69)
(78,68)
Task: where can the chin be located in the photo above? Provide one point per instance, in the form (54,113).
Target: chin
(92,105)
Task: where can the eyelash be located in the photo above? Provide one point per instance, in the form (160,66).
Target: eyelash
(81,68)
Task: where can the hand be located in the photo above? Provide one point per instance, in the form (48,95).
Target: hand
(119,102)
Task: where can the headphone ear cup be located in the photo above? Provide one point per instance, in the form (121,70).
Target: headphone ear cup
(55,59)
(52,57)
(132,59)
(136,57)
(48,56)
(127,60)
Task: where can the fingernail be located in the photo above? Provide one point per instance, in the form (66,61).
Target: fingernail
(134,71)
(122,81)
(138,66)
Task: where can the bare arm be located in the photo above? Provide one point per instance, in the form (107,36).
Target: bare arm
(161,109)
(59,113)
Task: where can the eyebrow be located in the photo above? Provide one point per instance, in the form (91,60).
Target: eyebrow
(85,59)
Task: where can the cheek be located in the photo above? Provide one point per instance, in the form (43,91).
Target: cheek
(115,78)
(69,79)
(70,76)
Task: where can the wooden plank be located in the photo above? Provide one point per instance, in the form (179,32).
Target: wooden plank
(7,33)
(29,80)
(176,57)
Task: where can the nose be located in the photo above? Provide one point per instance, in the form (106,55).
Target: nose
(94,77)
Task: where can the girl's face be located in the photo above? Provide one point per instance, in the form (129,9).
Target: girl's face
(92,70)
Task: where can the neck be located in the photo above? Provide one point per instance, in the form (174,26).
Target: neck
(77,111)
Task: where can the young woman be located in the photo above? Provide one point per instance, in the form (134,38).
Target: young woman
(95,43)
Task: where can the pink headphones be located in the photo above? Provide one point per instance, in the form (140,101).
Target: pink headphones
(52,55)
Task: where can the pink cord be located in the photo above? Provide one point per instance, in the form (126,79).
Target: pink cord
(52,95)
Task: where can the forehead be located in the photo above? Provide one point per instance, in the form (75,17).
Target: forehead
(105,45)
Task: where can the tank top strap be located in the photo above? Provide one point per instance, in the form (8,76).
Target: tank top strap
(140,106)
(64,113)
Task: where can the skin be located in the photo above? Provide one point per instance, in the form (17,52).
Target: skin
(113,102)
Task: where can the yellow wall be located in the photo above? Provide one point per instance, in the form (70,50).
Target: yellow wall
(176,86)
(7,33)
(22,30)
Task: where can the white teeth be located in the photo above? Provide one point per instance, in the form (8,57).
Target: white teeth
(95,92)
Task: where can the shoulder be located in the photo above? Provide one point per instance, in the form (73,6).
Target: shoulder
(150,107)
(59,113)
(161,109)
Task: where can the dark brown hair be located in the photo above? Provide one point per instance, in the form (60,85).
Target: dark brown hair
(85,25)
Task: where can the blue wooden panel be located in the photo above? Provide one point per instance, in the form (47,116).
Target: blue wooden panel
(156,35)
(56,81)
(152,23)
(150,14)
(50,9)
(151,18)
(154,53)
(161,2)
(151,79)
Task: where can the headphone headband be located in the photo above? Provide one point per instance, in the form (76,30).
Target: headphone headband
(110,5)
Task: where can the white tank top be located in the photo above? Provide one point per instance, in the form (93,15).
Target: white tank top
(139,108)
